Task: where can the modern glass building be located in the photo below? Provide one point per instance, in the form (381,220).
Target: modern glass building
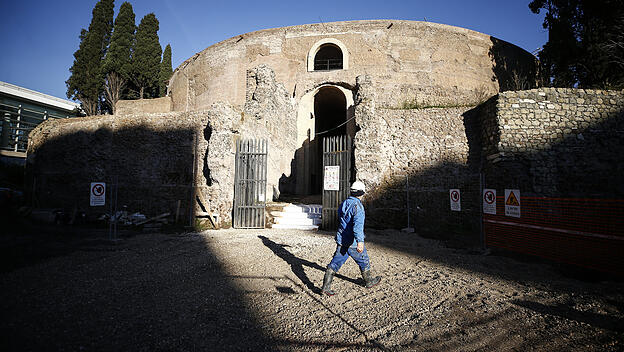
(23,109)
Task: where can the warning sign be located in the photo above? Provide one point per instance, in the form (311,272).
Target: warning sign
(455,200)
(489,201)
(512,202)
(98,194)
(331,181)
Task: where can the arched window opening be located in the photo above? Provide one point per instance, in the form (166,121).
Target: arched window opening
(329,57)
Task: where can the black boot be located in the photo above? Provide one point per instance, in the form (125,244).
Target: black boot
(329,276)
(369,280)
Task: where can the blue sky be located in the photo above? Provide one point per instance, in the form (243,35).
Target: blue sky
(39,37)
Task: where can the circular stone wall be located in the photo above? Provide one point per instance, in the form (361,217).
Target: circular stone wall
(411,64)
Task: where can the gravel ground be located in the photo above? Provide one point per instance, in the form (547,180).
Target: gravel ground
(259,290)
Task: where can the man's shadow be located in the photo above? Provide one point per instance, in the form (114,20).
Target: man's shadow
(296,264)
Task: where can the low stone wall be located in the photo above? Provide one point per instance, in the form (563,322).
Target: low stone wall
(556,142)
(148,159)
(143,106)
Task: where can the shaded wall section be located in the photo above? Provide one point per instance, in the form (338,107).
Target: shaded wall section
(556,142)
(565,143)
(151,160)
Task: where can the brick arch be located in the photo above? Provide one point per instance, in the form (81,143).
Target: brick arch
(315,48)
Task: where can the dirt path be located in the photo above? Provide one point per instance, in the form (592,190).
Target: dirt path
(251,290)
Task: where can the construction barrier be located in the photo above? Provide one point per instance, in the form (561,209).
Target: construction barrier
(583,232)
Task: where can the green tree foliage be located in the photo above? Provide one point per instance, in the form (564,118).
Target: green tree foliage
(166,70)
(146,59)
(117,64)
(585,45)
(86,80)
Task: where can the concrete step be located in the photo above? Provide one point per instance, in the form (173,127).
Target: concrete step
(285,214)
(295,227)
(303,208)
(296,216)
(297,221)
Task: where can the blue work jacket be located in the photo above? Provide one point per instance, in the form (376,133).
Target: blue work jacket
(351,225)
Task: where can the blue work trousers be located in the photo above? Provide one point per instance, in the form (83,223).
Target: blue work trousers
(343,253)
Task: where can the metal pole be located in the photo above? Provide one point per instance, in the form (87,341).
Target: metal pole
(116,194)
(481,186)
(110,206)
(194,172)
(407,199)
(17,127)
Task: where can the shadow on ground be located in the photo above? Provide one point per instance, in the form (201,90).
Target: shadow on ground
(297,264)
(149,292)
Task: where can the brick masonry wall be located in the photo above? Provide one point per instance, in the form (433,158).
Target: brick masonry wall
(150,158)
(556,142)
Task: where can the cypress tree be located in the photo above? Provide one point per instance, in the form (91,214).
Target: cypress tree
(146,59)
(86,80)
(117,64)
(166,71)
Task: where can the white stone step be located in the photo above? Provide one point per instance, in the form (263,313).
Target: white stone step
(298,216)
(295,227)
(297,221)
(278,214)
(303,208)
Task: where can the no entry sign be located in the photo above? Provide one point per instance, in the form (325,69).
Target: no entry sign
(98,194)
(489,201)
(455,200)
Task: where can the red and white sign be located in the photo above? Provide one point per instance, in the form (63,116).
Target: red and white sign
(98,194)
(489,201)
(455,200)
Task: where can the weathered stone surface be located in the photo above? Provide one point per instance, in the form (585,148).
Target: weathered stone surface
(422,62)
(153,157)
(434,147)
(143,106)
(572,149)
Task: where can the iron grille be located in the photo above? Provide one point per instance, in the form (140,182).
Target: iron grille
(250,182)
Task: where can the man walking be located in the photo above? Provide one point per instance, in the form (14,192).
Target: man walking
(350,240)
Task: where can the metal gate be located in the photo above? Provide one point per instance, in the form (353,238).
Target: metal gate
(250,179)
(336,177)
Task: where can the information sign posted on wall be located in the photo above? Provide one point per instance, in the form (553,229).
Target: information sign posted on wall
(489,201)
(455,200)
(98,194)
(512,202)
(332,178)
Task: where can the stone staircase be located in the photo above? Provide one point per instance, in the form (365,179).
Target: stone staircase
(295,216)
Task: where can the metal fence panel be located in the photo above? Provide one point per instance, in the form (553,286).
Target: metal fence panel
(336,152)
(250,179)
(583,232)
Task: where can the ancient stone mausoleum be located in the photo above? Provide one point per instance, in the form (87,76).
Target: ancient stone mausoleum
(407,93)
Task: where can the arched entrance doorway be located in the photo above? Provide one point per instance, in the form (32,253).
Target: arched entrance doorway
(330,117)
(325,111)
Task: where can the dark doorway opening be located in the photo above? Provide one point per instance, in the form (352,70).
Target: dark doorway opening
(330,112)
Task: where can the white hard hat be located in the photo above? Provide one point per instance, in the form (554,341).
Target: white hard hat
(358,186)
